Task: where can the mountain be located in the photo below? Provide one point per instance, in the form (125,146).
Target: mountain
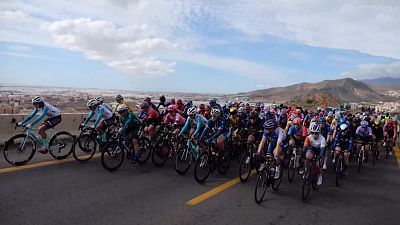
(382,81)
(385,85)
(333,91)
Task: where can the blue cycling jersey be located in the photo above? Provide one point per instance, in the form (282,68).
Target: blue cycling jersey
(219,127)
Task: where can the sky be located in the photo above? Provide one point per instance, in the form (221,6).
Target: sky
(218,46)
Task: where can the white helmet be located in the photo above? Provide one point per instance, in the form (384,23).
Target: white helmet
(92,102)
(122,108)
(37,99)
(315,128)
(99,99)
(215,112)
(241,110)
(191,111)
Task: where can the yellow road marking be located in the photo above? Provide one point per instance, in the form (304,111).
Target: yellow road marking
(39,164)
(215,191)
(397,153)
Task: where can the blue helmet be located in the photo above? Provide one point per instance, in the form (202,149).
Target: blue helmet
(267,113)
(364,124)
(270,124)
(212,102)
(342,120)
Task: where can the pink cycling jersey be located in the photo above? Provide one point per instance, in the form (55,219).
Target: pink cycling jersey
(175,119)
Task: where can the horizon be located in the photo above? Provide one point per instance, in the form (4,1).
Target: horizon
(191,47)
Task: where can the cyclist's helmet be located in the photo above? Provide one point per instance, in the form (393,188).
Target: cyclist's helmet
(172,108)
(342,120)
(297,121)
(122,108)
(118,98)
(241,110)
(162,98)
(230,104)
(364,124)
(315,128)
(189,103)
(390,121)
(343,127)
(215,112)
(144,105)
(377,122)
(212,102)
(233,110)
(191,111)
(321,120)
(298,111)
(272,111)
(99,99)
(147,99)
(267,113)
(270,124)
(92,102)
(253,115)
(37,99)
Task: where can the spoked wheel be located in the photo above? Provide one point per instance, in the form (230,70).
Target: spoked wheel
(61,145)
(261,185)
(145,149)
(224,162)
(360,161)
(245,167)
(183,160)
(84,148)
(19,149)
(338,169)
(112,156)
(306,185)
(374,155)
(161,153)
(202,168)
(277,182)
(291,169)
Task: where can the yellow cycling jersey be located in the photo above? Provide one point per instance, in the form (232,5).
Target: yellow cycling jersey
(122,102)
(234,121)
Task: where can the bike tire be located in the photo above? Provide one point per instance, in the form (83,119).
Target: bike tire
(112,151)
(86,144)
(374,155)
(9,147)
(61,140)
(360,162)
(224,162)
(145,150)
(243,174)
(338,170)
(261,186)
(204,164)
(306,185)
(184,156)
(291,170)
(160,154)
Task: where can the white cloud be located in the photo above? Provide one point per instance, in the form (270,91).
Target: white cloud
(374,70)
(131,49)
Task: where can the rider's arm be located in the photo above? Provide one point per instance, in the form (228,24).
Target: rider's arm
(99,116)
(91,114)
(199,123)
(205,131)
(126,124)
(262,144)
(186,126)
(34,111)
(45,110)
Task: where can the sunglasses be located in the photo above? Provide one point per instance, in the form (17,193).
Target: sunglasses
(314,133)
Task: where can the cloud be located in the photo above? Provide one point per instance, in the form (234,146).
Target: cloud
(26,55)
(131,49)
(374,70)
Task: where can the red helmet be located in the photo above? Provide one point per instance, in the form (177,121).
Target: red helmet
(297,121)
(298,111)
(172,108)
(144,105)
(272,111)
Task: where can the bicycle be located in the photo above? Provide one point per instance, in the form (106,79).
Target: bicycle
(294,163)
(361,156)
(186,156)
(24,145)
(210,160)
(112,154)
(338,167)
(87,142)
(310,178)
(163,143)
(266,178)
(388,148)
(249,162)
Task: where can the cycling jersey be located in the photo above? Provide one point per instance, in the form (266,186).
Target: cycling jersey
(219,127)
(276,137)
(364,132)
(47,110)
(295,132)
(390,129)
(107,106)
(102,113)
(199,122)
(129,122)
(176,119)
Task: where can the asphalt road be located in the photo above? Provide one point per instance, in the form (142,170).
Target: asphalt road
(85,193)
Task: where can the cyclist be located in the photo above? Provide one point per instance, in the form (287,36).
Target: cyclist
(120,100)
(130,126)
(254,128)
(213,103)
(195,122)
(377,134)
(389,131)
(364,134)
(101,101)
(314,144)
(343,141)
(174,118)
(150,118)
(180,106)
(148,100)
(217,124)
(105,118)
(46,109)
(277,141)
(296,133)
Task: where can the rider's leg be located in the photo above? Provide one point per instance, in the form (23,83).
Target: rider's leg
(221,142)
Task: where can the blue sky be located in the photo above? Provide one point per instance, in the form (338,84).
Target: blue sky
(218,47)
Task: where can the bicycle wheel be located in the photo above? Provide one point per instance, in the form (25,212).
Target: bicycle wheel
(145,149)
(112,156)
(277,182)
(387,147)
(373,154)
(161,153)
(245,167)
(224,162)
(61,145)
(84,148)
(306,184)
(183,160)
(202,168)
(338,171)
(261,185)
(19,149)
(360,161)
(291,169)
